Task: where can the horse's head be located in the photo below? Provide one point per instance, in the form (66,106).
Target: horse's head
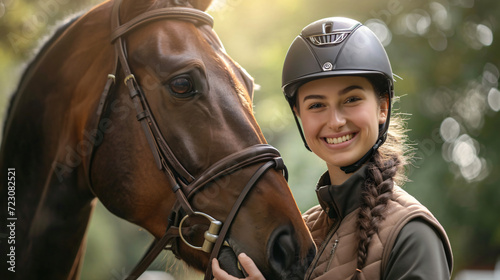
(200,102)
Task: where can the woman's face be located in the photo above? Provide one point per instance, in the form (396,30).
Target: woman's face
(341,117)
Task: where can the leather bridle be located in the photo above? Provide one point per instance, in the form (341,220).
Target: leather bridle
(183,184)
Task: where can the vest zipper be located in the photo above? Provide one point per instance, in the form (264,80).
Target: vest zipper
(331,254)
(329,236)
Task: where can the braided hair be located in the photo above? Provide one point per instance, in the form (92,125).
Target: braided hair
(385,168)
(375,194)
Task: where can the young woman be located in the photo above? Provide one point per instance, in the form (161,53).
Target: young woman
(338,80)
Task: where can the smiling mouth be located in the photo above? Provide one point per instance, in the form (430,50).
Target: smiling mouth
(339,140)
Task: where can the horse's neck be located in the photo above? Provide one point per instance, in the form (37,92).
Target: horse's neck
(42,143)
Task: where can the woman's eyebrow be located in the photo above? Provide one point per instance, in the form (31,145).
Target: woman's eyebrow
(350,88)
(313,96)
(342,92)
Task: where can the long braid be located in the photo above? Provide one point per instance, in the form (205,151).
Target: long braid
(376,192)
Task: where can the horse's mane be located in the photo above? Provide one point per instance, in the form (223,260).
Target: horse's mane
(46,43)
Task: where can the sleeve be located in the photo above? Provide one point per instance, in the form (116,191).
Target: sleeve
(418,253)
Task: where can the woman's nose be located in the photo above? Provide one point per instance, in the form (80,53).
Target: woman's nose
(336,119)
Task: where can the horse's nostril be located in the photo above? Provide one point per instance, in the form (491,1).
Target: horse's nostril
(282,250)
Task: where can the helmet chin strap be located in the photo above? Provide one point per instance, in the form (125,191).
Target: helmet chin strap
(301,132)
(355,166)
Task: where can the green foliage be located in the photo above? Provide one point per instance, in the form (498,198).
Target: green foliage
(446,51)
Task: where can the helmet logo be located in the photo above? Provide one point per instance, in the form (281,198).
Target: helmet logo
(327,66)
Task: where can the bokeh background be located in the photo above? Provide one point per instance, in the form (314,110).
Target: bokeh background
(447,53)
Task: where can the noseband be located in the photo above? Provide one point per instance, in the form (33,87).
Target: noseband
(183,184)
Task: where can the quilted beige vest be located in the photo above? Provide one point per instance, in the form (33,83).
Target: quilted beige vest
(337,257)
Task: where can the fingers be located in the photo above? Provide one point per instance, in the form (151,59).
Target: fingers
(247,264)
(250,267)
(219,273)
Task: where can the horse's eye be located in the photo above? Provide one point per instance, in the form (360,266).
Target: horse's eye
(181,86)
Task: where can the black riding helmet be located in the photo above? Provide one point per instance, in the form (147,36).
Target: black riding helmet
(338,46)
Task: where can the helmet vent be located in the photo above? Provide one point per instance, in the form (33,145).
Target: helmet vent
(331,38)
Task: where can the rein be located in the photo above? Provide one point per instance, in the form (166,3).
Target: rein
(183,184)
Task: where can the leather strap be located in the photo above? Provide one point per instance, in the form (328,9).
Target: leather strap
(111,80)
(154,250)
(251,155)
(163,157)
(234,210)
(164,13)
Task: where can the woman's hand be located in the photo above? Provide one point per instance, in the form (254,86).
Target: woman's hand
(247,263)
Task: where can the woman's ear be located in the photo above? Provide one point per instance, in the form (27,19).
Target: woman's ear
(384,110)
(296,111)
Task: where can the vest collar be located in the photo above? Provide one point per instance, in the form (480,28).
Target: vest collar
(340,200)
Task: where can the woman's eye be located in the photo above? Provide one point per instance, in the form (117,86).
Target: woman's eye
(315,106)
(181,86)
(352,99)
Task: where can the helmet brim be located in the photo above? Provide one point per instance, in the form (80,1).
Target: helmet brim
(291,88)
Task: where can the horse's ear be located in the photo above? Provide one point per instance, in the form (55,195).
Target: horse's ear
(201,4)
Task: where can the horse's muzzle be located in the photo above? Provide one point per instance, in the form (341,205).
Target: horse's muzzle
(229,262)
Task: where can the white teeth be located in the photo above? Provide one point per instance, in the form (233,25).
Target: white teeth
(339,139)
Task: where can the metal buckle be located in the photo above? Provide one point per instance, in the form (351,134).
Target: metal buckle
(210,235)
(112,77)
(131,76)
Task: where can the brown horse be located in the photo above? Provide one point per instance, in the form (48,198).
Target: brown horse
(195,149)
